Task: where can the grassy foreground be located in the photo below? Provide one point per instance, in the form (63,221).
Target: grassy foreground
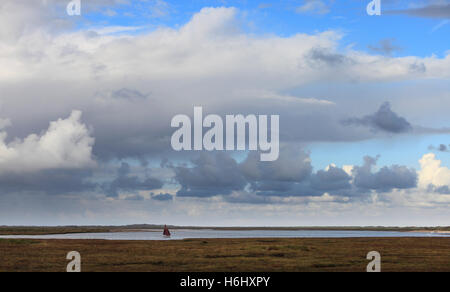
(227,255)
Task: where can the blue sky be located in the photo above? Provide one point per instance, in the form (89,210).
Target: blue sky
(399,150)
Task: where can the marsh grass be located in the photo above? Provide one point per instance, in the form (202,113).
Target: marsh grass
(228,255)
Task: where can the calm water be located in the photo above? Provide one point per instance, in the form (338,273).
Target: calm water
(207,233)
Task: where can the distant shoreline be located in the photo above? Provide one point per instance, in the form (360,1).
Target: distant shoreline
(41,230)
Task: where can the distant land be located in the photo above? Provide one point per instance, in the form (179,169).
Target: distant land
(40,230)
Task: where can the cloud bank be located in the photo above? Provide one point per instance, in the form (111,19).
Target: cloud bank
(129,82)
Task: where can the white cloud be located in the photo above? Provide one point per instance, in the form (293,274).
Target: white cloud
(66,144)
(209,62)
(348,169)
(209,47)
(432,173)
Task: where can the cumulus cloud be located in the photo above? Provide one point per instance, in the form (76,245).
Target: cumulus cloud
(291,176)
(433,173)
(331,179)
(200,62)
(21,17)
(211,175)
(221,36)
(67,144)
(129,183)
(288,176)
(294,164)
(385,179)
(383,120)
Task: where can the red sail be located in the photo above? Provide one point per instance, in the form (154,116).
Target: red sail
(166,231)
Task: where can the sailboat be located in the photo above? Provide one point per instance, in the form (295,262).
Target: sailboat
(166,232)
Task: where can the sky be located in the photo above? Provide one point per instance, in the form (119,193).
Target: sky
(86,103)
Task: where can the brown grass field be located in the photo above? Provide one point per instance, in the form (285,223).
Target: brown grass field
(228,255)
(40,230)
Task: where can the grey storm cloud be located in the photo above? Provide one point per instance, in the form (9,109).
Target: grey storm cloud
(383,120)
(441,11)
(332,179)
(127,182)
(320,55)
(212,174)
(216,174)
(292,165)
(385,179)
(292,175)
(51,182)
(280,178)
